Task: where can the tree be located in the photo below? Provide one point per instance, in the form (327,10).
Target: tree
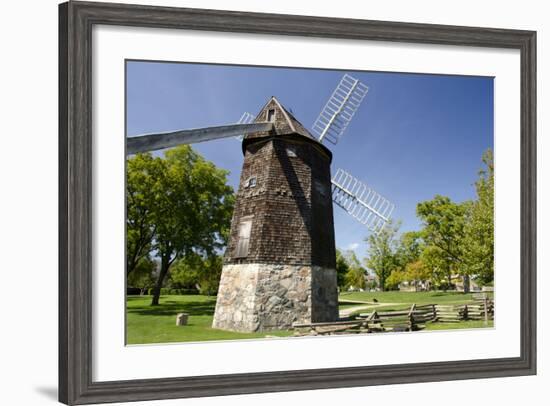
(143,275)
(417,271)
(199,272)
(189,207)
(436,264)
(396,277)
(409,248)
(382,259)
(349,271)
(342,269)
(142,173)
(209,280)
(443,232)
(355,275)
(479,230)
(193,211)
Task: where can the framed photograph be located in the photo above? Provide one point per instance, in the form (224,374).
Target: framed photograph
(260,202)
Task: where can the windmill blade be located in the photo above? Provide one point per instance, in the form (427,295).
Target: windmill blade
(339,110)
(152,142)
(360,201)
(246,118)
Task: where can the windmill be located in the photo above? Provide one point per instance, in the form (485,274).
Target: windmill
(279,265)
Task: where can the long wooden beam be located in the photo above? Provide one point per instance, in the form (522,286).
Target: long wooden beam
(153,142)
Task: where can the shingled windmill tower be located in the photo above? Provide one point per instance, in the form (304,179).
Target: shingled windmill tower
(280,263)
(279,266)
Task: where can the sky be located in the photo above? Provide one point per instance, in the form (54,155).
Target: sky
(414,136)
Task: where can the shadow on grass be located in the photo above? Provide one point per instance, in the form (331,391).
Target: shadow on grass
(170,307)
(435,294)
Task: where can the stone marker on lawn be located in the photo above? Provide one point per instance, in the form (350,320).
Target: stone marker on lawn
(181,319)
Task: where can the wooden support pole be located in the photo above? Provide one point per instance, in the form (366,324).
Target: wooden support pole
(153,142)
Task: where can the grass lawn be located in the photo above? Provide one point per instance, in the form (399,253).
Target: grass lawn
(147,324)
(410,297)
(395,300)
(463,324)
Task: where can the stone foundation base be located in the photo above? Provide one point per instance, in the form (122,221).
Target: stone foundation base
(262,297)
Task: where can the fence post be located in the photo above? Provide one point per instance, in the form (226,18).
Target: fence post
(371,318)
(411,317)
(486,310)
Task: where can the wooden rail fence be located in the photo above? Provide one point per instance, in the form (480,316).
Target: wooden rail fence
(412,319)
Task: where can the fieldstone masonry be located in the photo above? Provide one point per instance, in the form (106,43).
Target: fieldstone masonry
(263,297)
(281,269)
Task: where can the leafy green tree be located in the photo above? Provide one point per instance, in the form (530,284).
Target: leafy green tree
(417,271)
(479,231)
(396,277)
(413,272)
(185,271)
(436,262)
(143,275)
(443,232)
(342,269)
(189,207)
(193,212)
(355,276)
(409,249)
(209,280)
(382,259)
(198,272)
(143,172)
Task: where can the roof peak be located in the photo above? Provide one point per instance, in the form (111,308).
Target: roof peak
(284,121)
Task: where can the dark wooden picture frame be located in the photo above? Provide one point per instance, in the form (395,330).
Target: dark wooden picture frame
(76,20)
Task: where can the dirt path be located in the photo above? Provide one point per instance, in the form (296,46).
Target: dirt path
(364,306)
(358,301)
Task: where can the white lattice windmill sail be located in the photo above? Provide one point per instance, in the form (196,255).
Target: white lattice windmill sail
(360,201)
(339,110)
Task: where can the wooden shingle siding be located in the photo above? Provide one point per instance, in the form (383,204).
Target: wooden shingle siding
(291,201)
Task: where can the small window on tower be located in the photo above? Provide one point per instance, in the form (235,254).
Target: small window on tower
(271,115)
(250,182)
(291,152)
(243,243)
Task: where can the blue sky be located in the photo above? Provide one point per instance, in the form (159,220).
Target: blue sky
(413,137)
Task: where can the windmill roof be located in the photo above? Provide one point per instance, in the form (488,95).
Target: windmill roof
(285,122)
(284,125)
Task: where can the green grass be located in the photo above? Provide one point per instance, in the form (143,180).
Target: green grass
(146,324)
(403,300)
(461,325)
(410,297)
(381,308)
(344,305)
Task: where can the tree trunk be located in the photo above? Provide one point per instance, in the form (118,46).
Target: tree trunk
(130,266)
(164,266)
(382,282)
(466,282)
